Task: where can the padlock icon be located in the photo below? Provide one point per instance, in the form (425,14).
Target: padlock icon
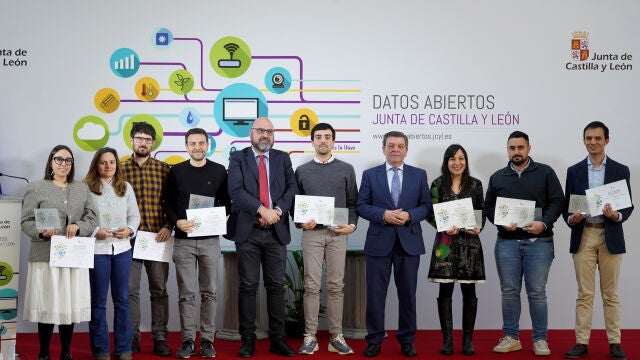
(304,123)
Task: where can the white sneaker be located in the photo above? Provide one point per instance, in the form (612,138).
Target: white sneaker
(541,348)
(507,344)
(339,345)
(309,345)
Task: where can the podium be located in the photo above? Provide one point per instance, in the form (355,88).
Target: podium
(10,229)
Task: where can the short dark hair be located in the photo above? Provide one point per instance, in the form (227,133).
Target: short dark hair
(323,126)
(395,134)
(518,134)
(48,170)
(595,125)
(195,131)
(143,127)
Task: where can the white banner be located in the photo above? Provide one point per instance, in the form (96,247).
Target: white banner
(10,209)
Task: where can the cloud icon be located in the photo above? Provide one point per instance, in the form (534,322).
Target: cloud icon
(91,131)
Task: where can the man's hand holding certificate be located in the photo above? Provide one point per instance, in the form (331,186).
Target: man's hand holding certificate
(75,252)
(615,193)
(207,221)
(514,211)
(318,208)
(148,248)
(458,213)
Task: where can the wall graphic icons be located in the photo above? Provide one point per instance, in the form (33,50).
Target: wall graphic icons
(177,95)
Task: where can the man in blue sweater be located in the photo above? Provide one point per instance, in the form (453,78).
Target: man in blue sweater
(525,251)
(326,176)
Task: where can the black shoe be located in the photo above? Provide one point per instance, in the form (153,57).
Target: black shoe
(135,345)
(43,357)
(160,348)
(247,349)
(615,352)
(206,349)
(576,352)
(372,350)
(408,350)
(67,356)
(281,348)
(187,349)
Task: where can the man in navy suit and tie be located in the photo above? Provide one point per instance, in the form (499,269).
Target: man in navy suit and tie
(262,187)
(596,241)
(394,198)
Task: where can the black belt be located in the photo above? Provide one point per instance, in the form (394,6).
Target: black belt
(263,228)
(321,227)
(594,225)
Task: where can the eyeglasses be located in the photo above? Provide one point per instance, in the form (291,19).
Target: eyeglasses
(140,139)
(262,131)
(59,160)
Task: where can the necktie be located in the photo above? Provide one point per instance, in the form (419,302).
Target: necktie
(395,186)
(264,183)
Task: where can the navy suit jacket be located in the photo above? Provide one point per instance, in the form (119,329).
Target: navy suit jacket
(577,183)
(244,190)
(375,197)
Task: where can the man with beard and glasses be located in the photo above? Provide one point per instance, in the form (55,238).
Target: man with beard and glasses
(262,187)
(148,177)
(195,257)
(526,251)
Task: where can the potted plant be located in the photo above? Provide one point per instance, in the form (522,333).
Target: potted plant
(294,297)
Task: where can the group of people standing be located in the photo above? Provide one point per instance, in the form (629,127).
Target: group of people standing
(117,199)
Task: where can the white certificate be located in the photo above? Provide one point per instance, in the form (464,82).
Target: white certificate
(454,213)
(318,208)
(578,204)
(76,252)
(615,193)
(514,211)
(201,201)
(147,248)
(209,221)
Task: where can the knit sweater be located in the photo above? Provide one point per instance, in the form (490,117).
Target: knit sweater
(74,205)
(336,178)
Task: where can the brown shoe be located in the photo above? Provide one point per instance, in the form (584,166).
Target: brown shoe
(102,357)
(124,357)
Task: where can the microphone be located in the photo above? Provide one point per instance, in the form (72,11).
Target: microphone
(14,177)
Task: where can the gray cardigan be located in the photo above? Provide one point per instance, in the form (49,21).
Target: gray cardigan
(74,206)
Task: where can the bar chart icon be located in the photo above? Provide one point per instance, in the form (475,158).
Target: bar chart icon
(127,63)
(124,62)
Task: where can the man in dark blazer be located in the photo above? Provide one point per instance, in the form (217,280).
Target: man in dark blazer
(596,241)
(260,228)
(394,198)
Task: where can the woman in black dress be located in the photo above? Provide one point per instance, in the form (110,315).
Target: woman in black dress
(457,253)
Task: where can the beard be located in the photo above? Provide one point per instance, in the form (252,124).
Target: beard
(262,146)
(141,152)
(518,160)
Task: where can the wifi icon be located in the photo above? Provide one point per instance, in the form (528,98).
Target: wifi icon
(230,62)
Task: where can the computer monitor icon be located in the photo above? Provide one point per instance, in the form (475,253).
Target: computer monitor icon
(240,111)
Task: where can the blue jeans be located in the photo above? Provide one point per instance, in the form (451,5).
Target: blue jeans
(515,259)
(114,270)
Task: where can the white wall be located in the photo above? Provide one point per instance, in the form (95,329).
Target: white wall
(514,51)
